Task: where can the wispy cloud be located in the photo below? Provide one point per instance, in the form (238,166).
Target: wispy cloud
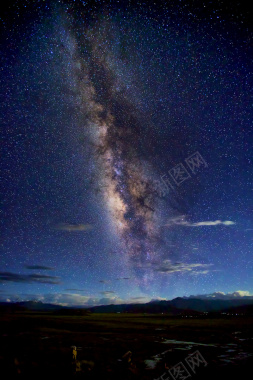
(137,298)
(38,267)
(82,300)
(181,221)
(140,299)
(123,278)
(107,292)
(214,223)
(168,267)
(104,281)
(73,227)
(197,273)
(110,301)
(75,290)
(69,299)
(28,278)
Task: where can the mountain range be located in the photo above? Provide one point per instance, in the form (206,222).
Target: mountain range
(177,306)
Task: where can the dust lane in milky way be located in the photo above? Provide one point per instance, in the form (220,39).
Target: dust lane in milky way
(117,136)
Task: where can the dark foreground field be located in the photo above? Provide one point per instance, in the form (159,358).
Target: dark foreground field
(37,345)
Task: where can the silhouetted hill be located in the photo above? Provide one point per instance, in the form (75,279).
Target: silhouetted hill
(28,305)
(37,305)
(209,305)
(8,307)
(244,309)
(177,306)
(151,308)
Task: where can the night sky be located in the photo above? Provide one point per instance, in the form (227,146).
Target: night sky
(127,156)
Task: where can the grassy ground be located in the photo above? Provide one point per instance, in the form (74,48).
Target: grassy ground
(35,344)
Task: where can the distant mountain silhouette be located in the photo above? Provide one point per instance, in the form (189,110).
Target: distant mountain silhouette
(177,306)
(38,305)
(244,309)
(209,305)
(149,308)
(29,305)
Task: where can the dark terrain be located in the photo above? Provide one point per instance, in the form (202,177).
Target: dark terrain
(38,344)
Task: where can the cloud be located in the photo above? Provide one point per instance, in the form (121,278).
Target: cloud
(181,221)
(123,278)
(240,293)
(28,278)
(196,273)
(223,296)
(73,227)
(215,223)
(110,301)
(67,299)
(104,281)
(168,267)
(140,299)
(107,292)
(81,300)
(76,290)
(137,298)
(38,267)
(158,299)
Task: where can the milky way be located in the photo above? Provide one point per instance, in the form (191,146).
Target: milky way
(125,174)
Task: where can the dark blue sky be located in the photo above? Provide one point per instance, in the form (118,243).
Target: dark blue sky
(100,101)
